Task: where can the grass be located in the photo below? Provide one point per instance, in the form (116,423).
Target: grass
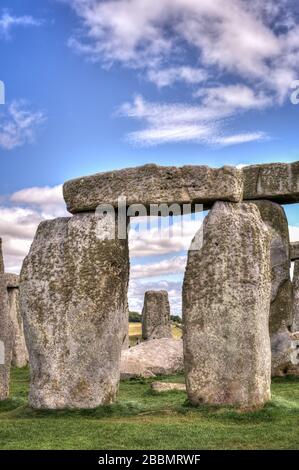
(135,332)
(142,419)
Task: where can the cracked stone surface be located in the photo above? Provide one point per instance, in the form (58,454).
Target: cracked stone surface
(74,303)
(226,304)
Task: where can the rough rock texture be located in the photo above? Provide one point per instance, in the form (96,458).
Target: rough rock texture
(294,251)
(286,359)
(156,315)
(6,334)
(19,351)
(226,303)
(295,325)
(167,387)
(74,304)
(155,357)
(276,181)
(281,310)
(153,184)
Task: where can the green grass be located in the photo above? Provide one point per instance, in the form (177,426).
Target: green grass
(141,419)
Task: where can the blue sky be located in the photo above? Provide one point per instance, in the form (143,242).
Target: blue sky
(98,85)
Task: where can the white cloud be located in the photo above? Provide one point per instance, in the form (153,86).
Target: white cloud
(174,265)
(294,233)
(9,21)
(168,76)
(256,40)
(20,217)
(138,288)
(178,122)
(253,44)
(18,125)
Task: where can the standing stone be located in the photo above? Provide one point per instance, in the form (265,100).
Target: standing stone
(74,303)
(19,350)
(281,308)
(6,334)
(295,326)
(156,315)
(294,251)
(226,303)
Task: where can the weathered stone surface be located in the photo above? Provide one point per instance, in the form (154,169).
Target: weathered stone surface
(295,325)
(226,303)
(156,315)
(276,181)
(294,251)
(167,387)
(19,350)
(286,357)
(74,304)
(281,310)
(153,184)
(6,334)
(155,357)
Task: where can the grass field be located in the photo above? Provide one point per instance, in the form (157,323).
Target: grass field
(142,419)
(135,332)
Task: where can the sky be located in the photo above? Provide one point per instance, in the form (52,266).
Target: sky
(96,85)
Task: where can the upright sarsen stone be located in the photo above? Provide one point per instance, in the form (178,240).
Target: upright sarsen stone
(295,326)
(6,334)
(74,302)
(19,350)
(156,315)
(281,313)
(226,303)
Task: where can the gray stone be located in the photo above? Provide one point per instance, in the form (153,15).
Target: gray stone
(226,303)
(153,184)
(275,181)
(156,315)
(6,334)
(295,325)
(286,358)
(160,387)
(155,357)
(294,251)
(281,310)
(19,350)
(74,304)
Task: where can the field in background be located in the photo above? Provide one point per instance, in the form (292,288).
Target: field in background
(135,332)
(141,419)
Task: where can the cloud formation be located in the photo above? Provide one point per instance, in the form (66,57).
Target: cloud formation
(9,21)
(249,49)
(18,124)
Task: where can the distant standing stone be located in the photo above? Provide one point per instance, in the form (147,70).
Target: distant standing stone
(156,315)
(74,303)
(6,334)
(226,303)
(19,351)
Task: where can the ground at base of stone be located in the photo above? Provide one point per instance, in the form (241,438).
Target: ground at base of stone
(143,419)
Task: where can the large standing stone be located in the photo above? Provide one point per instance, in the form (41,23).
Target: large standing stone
(6,334)
(19,350)
(295,326)
(281,313)
(275,181)
(74,303)
(153,184)
(226,303)
(294,251)
(156,315)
